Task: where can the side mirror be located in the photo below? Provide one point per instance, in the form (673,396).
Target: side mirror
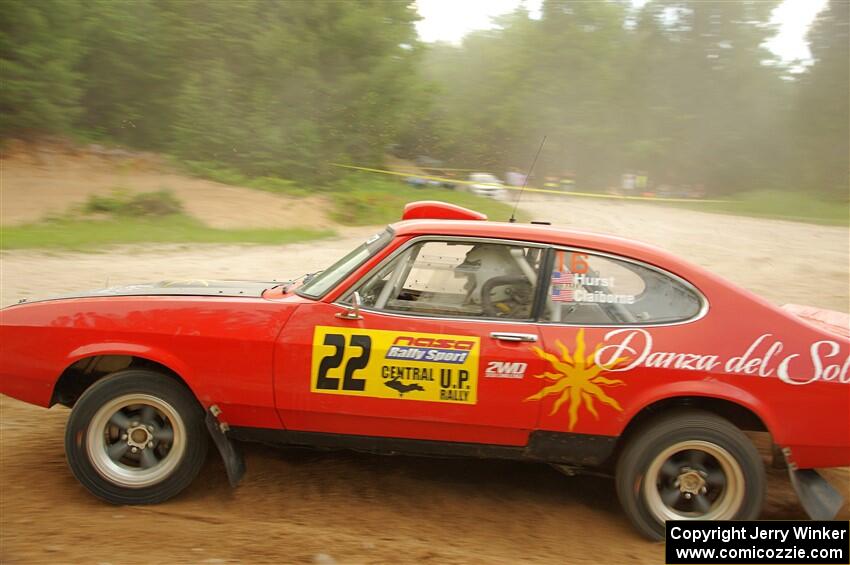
(352,312)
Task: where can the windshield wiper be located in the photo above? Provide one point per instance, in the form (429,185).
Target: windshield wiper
(290,284)
(310,276)
(306,277)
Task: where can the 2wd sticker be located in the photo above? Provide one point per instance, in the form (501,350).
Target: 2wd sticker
(505,370)
(387,364)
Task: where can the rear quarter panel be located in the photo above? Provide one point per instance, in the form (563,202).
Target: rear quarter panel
(792,375)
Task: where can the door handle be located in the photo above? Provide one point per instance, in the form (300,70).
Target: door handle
(509,336)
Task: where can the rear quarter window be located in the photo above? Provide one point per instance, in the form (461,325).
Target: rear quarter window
(591,289)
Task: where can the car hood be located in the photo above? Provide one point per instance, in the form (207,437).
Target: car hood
(249,289)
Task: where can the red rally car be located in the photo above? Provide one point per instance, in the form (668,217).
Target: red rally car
(447,334)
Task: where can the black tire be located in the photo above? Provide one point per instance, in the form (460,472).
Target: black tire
(696,445)
(128,479)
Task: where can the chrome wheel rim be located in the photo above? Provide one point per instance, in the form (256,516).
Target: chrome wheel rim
(694,480)
(136,440)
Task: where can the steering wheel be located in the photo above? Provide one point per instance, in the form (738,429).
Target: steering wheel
(520,295)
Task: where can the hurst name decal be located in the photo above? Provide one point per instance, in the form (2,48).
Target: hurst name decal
(401,365)
(571,287)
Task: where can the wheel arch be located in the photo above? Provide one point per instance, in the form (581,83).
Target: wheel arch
(88,365)
(743,417)
(731,403)
(737,405)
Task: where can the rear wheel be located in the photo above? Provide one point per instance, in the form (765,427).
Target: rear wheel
(136,437)
(689,465)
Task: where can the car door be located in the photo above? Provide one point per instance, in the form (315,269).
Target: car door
(442,348)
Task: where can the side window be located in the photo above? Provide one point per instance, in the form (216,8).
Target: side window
(589,289)
(465,279)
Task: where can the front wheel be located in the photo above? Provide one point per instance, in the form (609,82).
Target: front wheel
(689,465)
(136,437)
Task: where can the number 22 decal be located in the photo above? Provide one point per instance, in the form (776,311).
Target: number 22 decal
(334,360)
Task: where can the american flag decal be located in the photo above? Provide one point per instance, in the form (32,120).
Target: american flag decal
(562,287)
(562,278)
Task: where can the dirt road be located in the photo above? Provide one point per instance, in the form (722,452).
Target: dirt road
(298,506)
(779,260)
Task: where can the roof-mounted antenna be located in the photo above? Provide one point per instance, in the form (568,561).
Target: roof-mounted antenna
(525,180)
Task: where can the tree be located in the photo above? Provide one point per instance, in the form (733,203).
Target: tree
(288,88)
(682,89)
(822,115)
(39,49)
(131,71)
(679,89)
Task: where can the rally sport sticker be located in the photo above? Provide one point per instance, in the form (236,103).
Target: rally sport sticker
(388,364)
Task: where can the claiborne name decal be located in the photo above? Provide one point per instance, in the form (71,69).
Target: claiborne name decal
(570,287)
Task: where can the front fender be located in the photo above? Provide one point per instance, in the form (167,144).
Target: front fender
(157,355)
(221,347)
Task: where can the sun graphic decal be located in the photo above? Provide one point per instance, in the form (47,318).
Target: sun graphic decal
(577,379)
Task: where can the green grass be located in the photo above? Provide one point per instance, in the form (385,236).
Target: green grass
(147,217)
(363,199)
(794,206)
(157,217)
(359,199)
(122,203)
(66,233)
(226,175)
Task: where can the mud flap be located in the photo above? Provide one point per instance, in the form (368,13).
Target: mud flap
(231,454)
(819,498)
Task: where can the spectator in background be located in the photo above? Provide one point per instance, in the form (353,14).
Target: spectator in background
(514,178)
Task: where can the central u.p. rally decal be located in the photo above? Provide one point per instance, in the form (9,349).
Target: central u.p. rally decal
(390,364)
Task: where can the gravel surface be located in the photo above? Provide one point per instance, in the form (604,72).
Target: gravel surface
(300,506)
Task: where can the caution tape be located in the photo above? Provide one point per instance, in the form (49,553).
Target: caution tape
(424,168)
(532,189)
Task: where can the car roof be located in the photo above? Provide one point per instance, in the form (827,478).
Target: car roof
(545,234)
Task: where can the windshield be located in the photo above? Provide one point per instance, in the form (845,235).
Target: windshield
(321,283)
